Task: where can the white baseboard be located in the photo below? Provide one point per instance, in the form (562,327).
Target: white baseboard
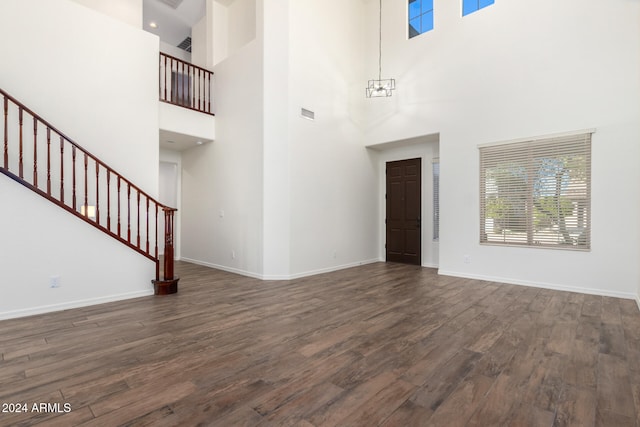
(222,267)
(553,286)
(73,304)
(278,277)
(638,301)
(333,268)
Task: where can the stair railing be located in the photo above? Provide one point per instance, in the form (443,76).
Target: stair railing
(185,84)
(45,160)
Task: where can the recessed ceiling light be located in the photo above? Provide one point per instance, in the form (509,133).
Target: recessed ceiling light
(152,24)
(199,142)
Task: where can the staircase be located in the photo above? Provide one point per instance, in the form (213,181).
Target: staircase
(46,161)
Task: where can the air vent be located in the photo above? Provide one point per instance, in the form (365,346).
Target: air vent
(307,114)
(185,44)
(172,3)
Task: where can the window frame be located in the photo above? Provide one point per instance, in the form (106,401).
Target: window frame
(468,9)
(419,16)
(435,176)
(545,184)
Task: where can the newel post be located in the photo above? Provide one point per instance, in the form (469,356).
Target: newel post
(169,284)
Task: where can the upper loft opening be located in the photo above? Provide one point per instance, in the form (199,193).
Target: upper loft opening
(172,21)
(203,32)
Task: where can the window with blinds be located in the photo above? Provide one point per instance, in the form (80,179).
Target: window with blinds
(537,192)
(436,200)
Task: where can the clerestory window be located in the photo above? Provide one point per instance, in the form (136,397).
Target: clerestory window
(420,17)
(470,6)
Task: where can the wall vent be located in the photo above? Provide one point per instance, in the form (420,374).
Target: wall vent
(307,114)
(172,3)
(185,44)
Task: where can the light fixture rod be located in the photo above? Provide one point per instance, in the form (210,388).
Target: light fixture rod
(377,88)
(380,43)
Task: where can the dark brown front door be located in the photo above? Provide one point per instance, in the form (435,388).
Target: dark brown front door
(404,211)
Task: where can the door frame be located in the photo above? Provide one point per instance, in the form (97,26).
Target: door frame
(426,148)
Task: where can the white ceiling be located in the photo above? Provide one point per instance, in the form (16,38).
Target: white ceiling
(174,25)
(178,141)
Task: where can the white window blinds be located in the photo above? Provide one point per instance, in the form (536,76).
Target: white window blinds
(537,193)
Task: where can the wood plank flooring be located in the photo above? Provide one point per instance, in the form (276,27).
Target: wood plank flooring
(382,344)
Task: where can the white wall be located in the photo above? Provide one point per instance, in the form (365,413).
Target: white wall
(241,26)
(222,181)
(224,30)
(473,80)
(287,197)
(210,36)
(102,92)
(333,178)
(41,241)
(185,121)
(200,44)
(276,140)
(511,71)
(128,11)
(219,21)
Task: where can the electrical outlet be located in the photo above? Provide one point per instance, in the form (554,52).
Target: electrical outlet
(233,254)
(54,282)
(467,259)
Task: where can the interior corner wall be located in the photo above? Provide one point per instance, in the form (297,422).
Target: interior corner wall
(200,43)
(218,21)
(66,70)
(222,181)
(241,24)
(275,39)
(511,71)
(229,28)
(333,178)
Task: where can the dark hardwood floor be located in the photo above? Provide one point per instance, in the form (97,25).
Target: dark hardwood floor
(382,344)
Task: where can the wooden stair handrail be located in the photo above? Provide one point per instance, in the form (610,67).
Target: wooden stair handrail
(70,141)
(86,167)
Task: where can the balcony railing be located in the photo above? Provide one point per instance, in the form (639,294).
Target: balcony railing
(185,84)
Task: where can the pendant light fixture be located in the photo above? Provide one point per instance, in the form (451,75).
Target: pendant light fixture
(380,87)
